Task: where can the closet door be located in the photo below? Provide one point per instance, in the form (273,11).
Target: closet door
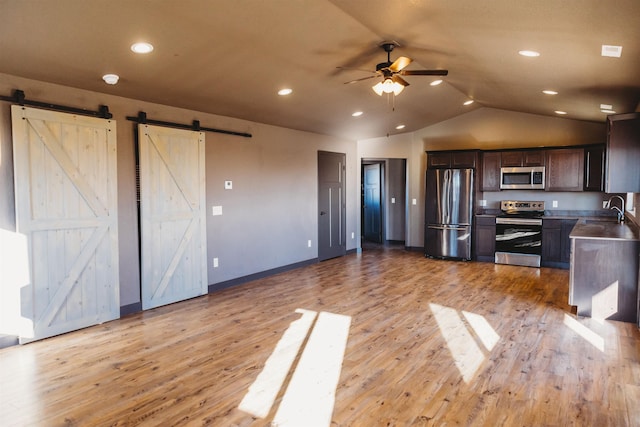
(172,213)
(66,206)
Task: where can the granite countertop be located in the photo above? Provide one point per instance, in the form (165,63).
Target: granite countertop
(592,228)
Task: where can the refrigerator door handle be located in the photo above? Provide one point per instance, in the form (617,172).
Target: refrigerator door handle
(448,227)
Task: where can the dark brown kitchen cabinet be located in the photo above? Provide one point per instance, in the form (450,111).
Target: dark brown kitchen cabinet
(517,158)
(451,159)
(623,153)
(594,168)
(485,238)
(603,281)
(490,178)
(556,244)
(565,169)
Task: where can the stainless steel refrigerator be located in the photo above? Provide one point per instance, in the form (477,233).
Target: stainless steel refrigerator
(448,213)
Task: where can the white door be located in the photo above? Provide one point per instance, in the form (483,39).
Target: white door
(66,205)
(172,214)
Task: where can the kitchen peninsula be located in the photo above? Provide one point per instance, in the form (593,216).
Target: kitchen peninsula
(603,281)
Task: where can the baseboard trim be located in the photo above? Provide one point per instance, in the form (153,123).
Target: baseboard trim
(260,275)
(8,341)
(126,310)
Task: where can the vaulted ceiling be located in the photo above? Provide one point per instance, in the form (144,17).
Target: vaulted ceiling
(230,57)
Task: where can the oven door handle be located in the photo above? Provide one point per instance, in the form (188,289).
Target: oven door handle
(519,221)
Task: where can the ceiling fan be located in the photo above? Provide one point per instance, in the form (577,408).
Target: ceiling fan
(391,72)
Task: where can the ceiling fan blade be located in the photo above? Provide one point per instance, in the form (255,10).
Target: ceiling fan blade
(355,69)
(424,72)
(360,79)
(396,78)
(400,63)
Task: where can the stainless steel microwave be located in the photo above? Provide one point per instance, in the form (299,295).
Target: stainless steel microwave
(522,178)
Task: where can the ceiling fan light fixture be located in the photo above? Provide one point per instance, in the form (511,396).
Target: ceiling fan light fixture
(387,86)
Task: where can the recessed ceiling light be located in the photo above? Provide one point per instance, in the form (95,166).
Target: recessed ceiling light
(562,113)
(285,91)
(549,92)
(468,102)
(110,79)
(608,111)
(435,82)
(357,114)
(529,53)
(142,47)
(400,127)
(611,51)
(606,107)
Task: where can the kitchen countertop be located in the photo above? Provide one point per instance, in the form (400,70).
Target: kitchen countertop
(594,228)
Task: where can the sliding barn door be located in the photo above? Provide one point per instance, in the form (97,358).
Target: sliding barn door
(66,206)
(172,213)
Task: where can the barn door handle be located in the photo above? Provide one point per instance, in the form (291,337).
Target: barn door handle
(323,213)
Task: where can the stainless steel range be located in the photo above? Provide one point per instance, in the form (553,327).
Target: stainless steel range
(519,233)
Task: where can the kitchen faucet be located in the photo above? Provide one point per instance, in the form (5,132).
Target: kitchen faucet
(620,210)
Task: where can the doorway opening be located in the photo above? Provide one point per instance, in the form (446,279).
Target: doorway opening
(383,202)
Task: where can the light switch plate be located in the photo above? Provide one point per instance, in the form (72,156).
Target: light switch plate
(228,185)
(216,210)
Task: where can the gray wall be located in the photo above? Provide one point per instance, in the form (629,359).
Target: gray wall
(268,216)
(396,190)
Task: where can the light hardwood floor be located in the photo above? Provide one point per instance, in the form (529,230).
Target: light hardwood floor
(430,342)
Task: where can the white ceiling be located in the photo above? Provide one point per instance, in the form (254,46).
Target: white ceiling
(229,57)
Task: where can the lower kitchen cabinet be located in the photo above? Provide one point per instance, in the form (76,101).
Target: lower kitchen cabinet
(485,238)
(556,245)
(603,280)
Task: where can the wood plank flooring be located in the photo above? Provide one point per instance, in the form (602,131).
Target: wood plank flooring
(429,343)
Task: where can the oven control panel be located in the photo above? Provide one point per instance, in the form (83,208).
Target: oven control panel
(521,206)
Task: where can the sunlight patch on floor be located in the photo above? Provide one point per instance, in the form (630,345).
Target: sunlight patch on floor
(591,337)
(605,302)
(262,393)
(487,335)
(309,398)
(467,354)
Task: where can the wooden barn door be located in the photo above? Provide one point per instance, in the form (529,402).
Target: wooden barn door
(172,213)
(66,206)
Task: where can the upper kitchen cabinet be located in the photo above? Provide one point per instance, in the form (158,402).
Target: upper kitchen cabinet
(623,153)
(594,168)
(519,158)
(565,169)
(452,159)
(490,178)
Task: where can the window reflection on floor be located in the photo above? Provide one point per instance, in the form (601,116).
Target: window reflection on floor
(310,395)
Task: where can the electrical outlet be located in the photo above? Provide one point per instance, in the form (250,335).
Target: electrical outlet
(393,200)
(353,235)
(554,204)
(414,201)
(215,263)
(308,243)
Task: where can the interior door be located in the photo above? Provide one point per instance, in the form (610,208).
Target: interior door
(172,215)
(66,205)
(372,207)
(331,205)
